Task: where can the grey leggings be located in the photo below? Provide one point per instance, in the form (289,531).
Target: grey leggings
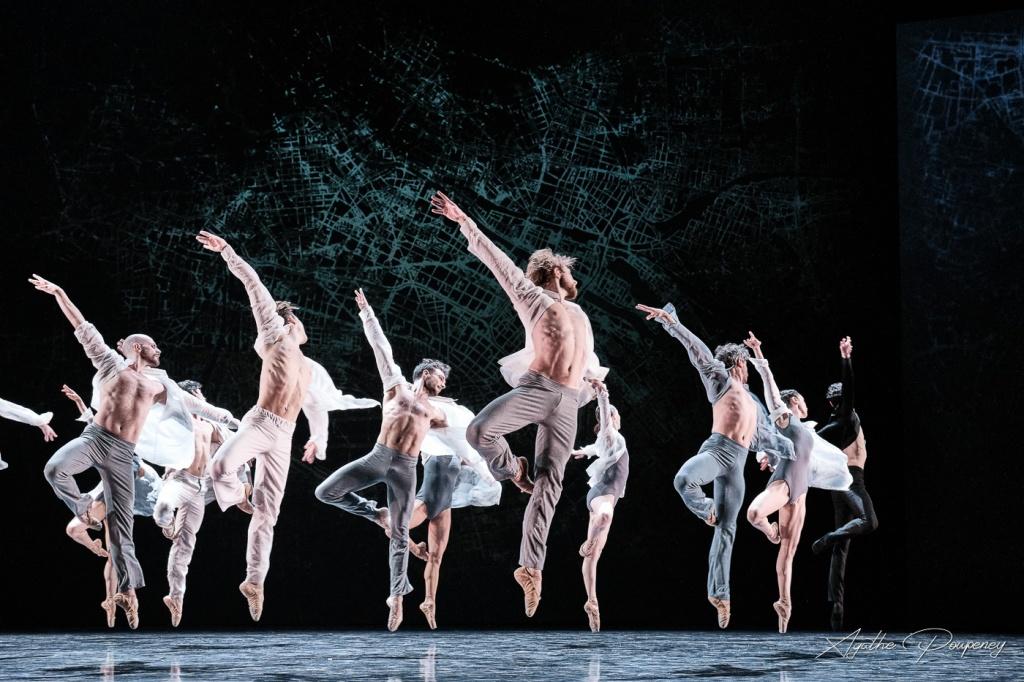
(398,472)
(112,458)
(721,460)
(553,408)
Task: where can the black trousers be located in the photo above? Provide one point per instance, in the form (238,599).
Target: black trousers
(855,515)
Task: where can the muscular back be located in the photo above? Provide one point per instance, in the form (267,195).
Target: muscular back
(735,415)
(406,420)
(857,451)
(284,378)
(125,401)
(560,343)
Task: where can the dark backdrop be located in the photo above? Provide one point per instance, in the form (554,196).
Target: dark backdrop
(742,165)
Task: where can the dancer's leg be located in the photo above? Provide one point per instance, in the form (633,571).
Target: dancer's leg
(523,405)
(770,500)
(791,523)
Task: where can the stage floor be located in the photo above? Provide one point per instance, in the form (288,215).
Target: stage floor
(512,655)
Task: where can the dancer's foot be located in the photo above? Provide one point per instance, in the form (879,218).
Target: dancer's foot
(822,543)
(253,594)
(111,610)
(593,615)
(384,520)
(776,536)
(394,612)
(174,606)
(522,479)
(419,550)
(587,548)
(529,579)
(77,532)
(129,603)
(427,607)
(783,608)
(836,618)
(724,608)
(87,519)
(245,505)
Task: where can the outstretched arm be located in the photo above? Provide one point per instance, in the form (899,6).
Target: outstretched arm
(15,412)
(525,295)
(69,309)
(390,373)
(85,413)
(212,413)
(846,353)
(264,308)
(712,372)
(779,411)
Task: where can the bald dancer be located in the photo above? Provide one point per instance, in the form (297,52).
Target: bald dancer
(550,379)
(128,387)
(266,432)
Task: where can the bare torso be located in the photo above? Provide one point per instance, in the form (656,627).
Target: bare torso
(560,344)
(406,420)
(125,401)
(284,378)
(203,432)
(857,451)
(735,415)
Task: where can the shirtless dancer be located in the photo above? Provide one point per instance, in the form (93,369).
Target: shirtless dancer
(267,428)
(147,486)
(735,429)
(127,393)
(854,510)
(550,379)
(454,476)
(407,416)
(15,412)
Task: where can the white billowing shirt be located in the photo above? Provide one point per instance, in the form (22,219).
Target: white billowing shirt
(475,485)
(609,446)
(323,396)
(15,412)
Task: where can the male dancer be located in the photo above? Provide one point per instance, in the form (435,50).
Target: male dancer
(128,387)
(15,412)
(550,379)
(736,428)
(267,428)
(854,510)
(454,476)
(181,504)
(407,415)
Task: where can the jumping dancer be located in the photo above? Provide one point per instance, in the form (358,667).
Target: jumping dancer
(407,415)
(266,431)
(736,428)
(549,378)
(608,476)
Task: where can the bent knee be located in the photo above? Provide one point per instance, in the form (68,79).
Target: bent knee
(604,517)
(475,433)
(755,516)
(51,472)
(322,492)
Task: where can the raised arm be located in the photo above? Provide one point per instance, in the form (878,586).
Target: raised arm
(713,372)
(846,353)
(85,413)
(15,412)
(607,434)
(779,411)
(69,309)
(390,373)
(264,308)
(524,293)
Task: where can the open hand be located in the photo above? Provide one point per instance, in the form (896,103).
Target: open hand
(309,452)
(44,285)
(846,347)
(361,299)
(211,241)
(442,205)
(579,454)
(752,342)
(655,313)
(48,433)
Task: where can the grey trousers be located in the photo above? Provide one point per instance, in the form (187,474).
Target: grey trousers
(553,408)
(398,472)
(112,458)
(721,460)
(440,473)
